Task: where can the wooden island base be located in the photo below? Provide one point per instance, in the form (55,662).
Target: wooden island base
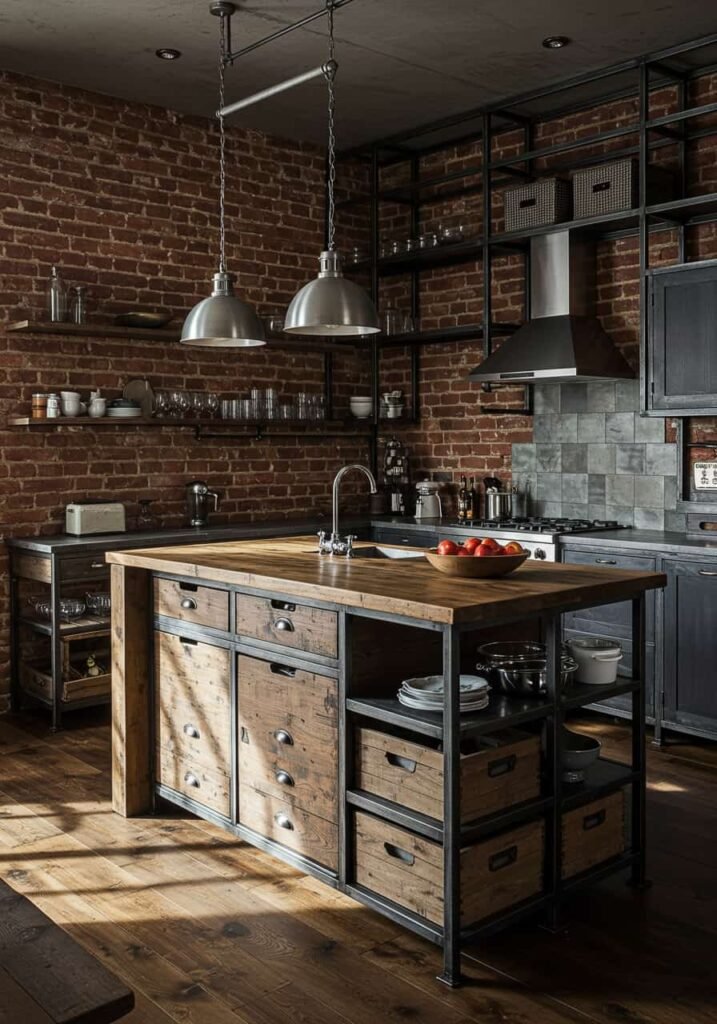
(255,685)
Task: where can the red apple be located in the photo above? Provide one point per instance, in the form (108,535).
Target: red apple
(491,542)
(447,547)
(513,548)
(483,551)
(471,544)
(464,553)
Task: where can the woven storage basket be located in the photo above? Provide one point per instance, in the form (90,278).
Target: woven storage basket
(539,202)
(611,187)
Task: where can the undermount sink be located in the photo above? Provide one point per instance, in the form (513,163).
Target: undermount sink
(386,553)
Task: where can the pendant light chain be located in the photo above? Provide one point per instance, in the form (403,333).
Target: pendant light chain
(222,146)
(330,74)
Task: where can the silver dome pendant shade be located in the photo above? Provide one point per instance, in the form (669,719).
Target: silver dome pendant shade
(331,305)
(223,320)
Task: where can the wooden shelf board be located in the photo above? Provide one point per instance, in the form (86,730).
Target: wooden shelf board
(251,426)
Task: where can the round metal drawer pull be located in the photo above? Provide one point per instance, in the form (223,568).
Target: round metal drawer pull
(191,730)
(282,736)
(191,780)
(284,625)
(283,821)
(283,778)
(188,603)
(606,561)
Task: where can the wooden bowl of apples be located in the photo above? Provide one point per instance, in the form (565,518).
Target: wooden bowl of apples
(476,558)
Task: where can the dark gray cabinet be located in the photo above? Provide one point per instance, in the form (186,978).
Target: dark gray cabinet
(412,538)
(614,621)
(682,339)
(690,646)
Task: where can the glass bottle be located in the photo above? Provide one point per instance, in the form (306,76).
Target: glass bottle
(78,310)
(463,500)
(56,298)
(470,501)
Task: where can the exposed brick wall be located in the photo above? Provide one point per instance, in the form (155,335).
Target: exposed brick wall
(124,199)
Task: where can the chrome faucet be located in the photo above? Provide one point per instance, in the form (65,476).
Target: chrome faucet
(335,544)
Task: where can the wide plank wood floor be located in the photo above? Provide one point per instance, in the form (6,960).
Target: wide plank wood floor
(207,930)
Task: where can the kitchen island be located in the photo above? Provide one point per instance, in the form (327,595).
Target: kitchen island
(255,682)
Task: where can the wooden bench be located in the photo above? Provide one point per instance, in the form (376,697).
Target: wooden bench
(46,977)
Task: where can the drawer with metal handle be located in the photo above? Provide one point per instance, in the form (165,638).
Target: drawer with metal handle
(195,780)
(84,567)
(288,734)
(192,699)
(314,630)
(190,602)
(593,833)
(495,873)
(304,833)
(496,772)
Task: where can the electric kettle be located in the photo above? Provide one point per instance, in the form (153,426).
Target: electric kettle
(428,503)
(198,495)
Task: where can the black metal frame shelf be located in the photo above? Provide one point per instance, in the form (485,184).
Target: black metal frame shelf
(601,779)
(465,251)
(88,625)
(444,335)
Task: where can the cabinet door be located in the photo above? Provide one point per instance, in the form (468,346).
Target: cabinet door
(611,620)
(682,354)
(690,650)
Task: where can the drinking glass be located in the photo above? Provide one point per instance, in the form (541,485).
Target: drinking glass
(175,404)
(257,403)
(162,404)
(184,403)
(212,404)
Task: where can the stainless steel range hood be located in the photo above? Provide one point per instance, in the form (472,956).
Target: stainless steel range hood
(563,341)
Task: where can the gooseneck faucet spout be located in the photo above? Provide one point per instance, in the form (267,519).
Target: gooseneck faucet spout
(336,545)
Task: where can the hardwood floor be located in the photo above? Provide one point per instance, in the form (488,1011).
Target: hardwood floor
(207,930)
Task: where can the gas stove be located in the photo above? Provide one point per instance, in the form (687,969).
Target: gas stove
(538,534)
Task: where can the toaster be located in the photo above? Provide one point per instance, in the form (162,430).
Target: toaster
(82,518)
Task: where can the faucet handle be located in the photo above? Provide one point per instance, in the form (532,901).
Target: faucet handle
(349,545)
(322,541)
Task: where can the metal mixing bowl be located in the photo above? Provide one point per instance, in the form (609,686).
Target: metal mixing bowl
(520,668)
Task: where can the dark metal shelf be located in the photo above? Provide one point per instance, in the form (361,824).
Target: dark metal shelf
(682,115)
(502,711)
(86,624)
(601,778)
(604,224)
(444,335)
(581,694)
(431,828)
(426,259)
(529,155)
(683,210)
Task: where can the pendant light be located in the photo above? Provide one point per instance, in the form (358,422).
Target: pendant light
(223,320)
(331,305)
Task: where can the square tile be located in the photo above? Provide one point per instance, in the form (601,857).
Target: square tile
(676,522)
(670,492)
(620,490)
(548,458)
(661,459)
(596,511)
(601,396)
(574,488)
(601,458)
(624,516)
(591,426)
(548,487)
(552,509)
(627,395)
(650,428)
(620,427)
(649,492)
(575,510)
(527,484)
(573,397)
(574,458)
(546,398)
(523,458)
(596,489)
(649,519)
(567,427)
(630,458)
(545,428)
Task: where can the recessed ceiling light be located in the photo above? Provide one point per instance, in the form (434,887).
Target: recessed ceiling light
(555,42)
(167,53)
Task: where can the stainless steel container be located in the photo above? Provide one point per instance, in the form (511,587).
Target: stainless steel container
(498,504)
(520,668)
(199,496)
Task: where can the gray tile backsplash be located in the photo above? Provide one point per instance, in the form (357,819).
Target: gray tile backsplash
(595,457)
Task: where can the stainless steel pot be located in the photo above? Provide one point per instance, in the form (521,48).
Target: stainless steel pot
(520,668)
(498,504)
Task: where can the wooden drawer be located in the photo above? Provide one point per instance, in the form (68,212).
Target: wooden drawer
(408,869)
(593,833)
(314,630)
(288,724)
(411,774)
(84,567)
(192,603)
(192,700)
(193,779)
(305,833)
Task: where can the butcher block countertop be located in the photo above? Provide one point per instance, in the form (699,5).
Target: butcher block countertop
(409,587)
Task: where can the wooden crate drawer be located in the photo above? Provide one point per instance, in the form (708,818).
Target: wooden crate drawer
(305,833)
(195,780)
(192,603)
(84,567)
(293,625)
(288,724)
(593,833)
(408,869)
(411,774)
(36,679)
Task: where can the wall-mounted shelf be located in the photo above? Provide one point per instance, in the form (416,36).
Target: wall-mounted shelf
(171,336)
(425,259)
(205,428)
(443,335)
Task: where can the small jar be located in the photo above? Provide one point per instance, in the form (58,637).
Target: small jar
(53,407)
(39,407)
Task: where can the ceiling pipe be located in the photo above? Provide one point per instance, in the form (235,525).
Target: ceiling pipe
(230,57)
(274,90)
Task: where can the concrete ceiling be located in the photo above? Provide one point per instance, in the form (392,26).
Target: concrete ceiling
(402,62)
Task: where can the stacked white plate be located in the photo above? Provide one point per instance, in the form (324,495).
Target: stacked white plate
(425,693)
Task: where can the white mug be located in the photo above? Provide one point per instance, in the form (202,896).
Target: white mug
(98,407)
(71,406)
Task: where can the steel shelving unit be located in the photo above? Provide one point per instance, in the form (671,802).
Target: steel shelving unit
(643,136)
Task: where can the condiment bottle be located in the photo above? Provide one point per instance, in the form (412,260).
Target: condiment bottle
(56,298)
